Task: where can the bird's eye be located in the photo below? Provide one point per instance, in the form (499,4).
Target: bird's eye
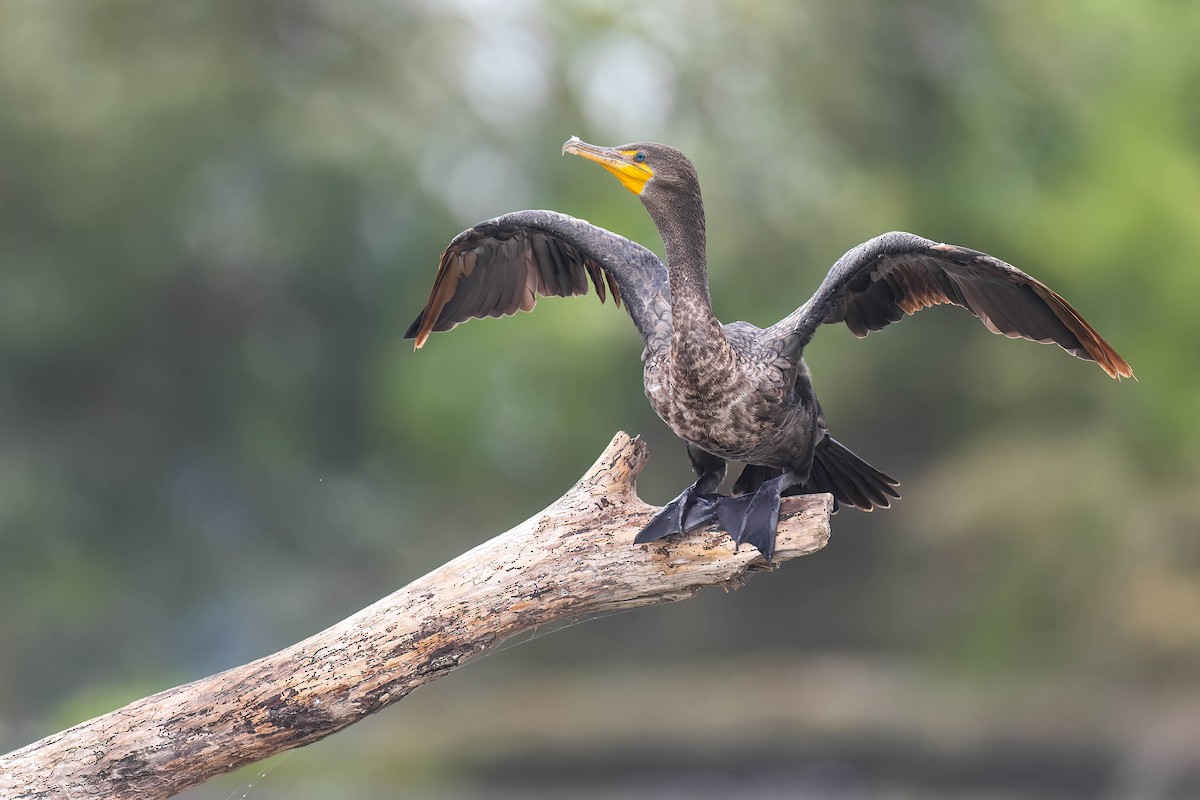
(639,156)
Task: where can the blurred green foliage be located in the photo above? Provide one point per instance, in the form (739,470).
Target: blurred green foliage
(216,220)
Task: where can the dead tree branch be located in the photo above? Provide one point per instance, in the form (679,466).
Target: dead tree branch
(570,561)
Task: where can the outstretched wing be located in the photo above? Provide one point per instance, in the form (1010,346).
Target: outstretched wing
(881,280)
(501,266)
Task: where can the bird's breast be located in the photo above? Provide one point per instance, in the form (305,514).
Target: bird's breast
(738,415)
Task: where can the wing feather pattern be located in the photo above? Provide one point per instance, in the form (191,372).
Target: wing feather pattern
(500,267)
(882,280)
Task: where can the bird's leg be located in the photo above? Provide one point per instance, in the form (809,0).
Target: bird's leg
(752,518)
(695,506)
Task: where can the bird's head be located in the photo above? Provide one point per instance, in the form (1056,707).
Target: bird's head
(647,169)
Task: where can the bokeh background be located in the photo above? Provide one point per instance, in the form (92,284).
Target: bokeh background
(217,219)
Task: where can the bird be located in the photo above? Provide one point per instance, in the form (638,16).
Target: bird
(736,392)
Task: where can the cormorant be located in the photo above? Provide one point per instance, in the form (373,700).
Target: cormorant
(736,392)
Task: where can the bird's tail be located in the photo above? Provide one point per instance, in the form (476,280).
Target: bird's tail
(848,478)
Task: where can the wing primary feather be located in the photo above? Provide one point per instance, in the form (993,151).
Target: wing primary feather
(499,288)
(593,270)
(564,279)
(448,273)
(543,260)
(613,288)
(1093,343)
(548,270)
(415,327)
(514,286)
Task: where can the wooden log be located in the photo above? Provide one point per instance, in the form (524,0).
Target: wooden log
(572,560)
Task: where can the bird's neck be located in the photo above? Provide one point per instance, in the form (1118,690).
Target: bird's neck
(697,343)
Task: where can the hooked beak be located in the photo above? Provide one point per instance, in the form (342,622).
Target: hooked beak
(632,174)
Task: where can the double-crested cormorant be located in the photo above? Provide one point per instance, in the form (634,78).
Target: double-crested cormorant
(736,392)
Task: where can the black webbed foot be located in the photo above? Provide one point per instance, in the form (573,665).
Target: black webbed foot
(685,513)
(762,518)
(731,511)
(701,511)
(752,518)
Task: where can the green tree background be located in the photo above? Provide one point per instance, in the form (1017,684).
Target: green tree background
(217,219)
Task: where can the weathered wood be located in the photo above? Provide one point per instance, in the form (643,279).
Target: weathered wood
(570,561)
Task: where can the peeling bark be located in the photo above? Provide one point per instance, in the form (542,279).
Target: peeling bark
(572,560)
